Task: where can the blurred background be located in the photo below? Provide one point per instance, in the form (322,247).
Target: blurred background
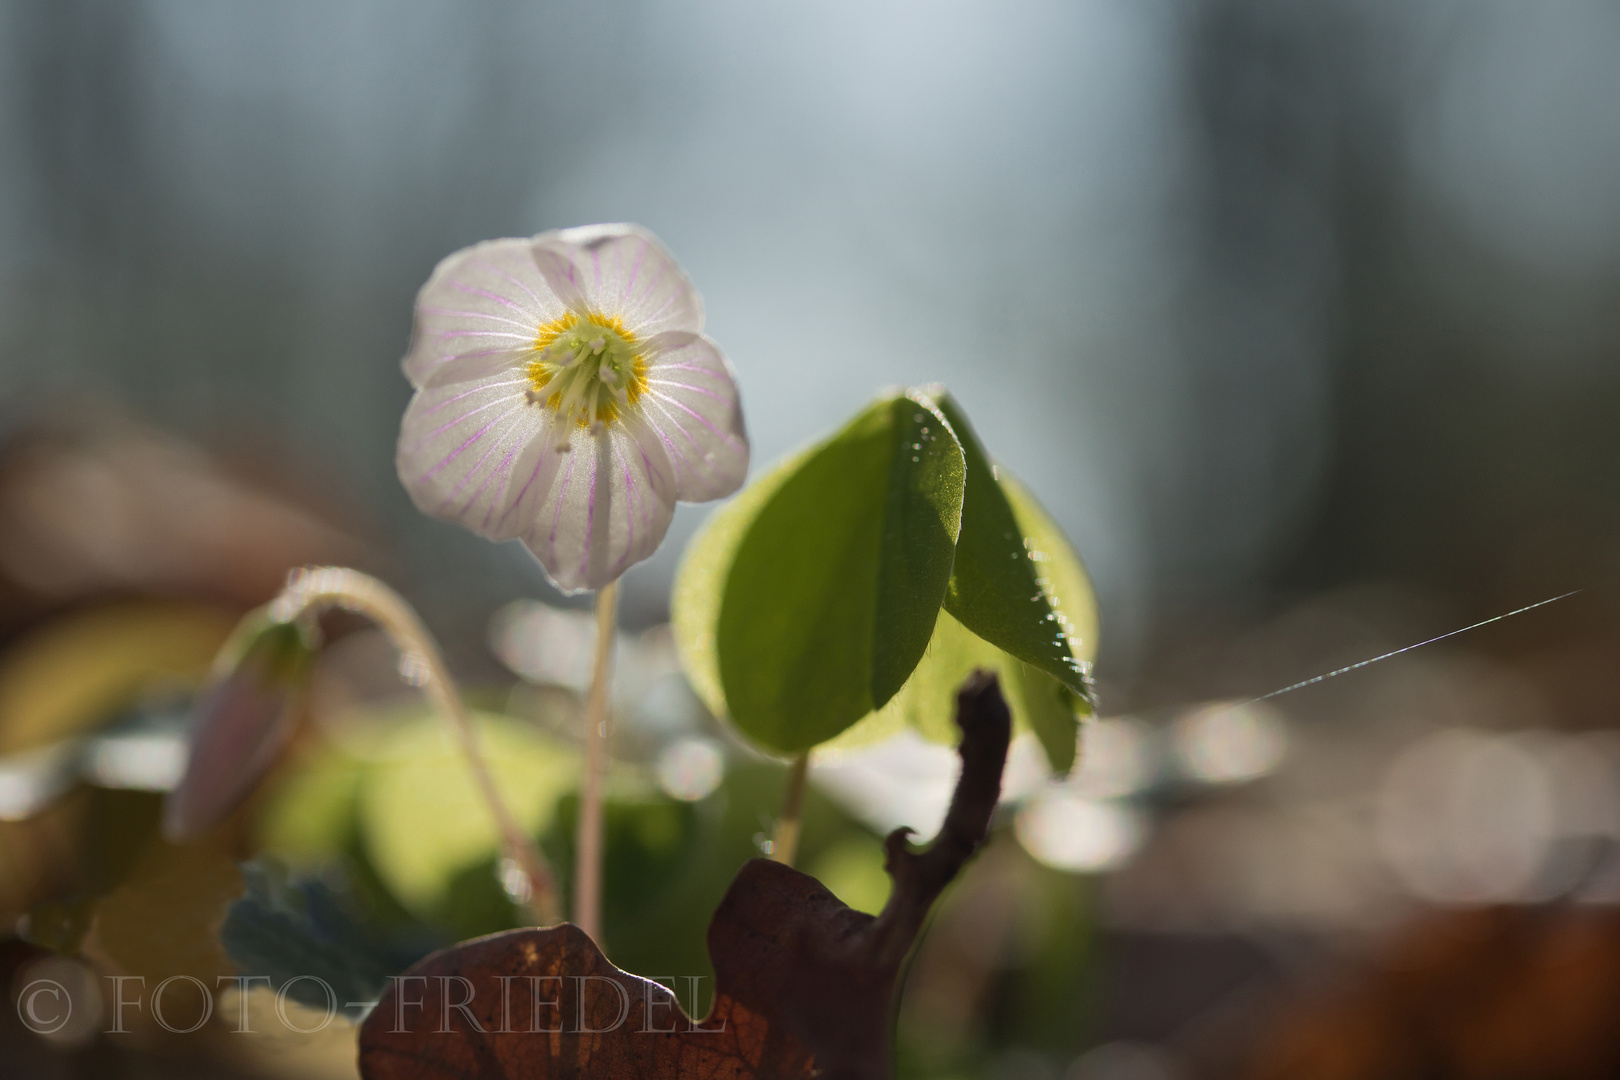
(1303,321)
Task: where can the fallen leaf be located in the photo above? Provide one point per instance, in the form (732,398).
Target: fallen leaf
(804,985)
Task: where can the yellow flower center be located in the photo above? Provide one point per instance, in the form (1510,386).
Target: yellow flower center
(585,369)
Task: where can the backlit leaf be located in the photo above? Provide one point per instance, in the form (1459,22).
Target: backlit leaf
(1039,703)
(793,628)
(1047,707)
(1059,572)
(996,587)
(422,818)
(832,593)
(74,673)
(700,582)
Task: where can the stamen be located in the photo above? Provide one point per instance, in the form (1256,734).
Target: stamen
(584,379)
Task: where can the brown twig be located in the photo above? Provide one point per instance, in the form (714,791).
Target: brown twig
(786,948)
(920,876)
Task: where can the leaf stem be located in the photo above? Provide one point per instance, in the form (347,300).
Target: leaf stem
(313,589)
(785,841)
(588,843)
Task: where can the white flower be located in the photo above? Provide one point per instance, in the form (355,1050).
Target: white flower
(566,396)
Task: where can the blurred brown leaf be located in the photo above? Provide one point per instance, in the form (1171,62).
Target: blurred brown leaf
(93,504)
(1482,994)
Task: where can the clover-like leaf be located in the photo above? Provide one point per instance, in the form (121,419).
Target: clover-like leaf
(807,608)
(1019,603)
(700,584)
(1000,587)
(1040,704)
(1060,573)
(830,576)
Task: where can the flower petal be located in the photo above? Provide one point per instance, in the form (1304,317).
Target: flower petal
(480,301)
(606,508)
(477,453)
(555,261)
(623,270)
(480,367)
(692,403)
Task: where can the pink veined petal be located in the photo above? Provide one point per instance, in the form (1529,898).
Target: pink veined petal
(467,450)
(623,270)
(606,508)
(462,422)
(441,403)
(481,365)
(523,501)
(555,263)
(692,403)
(484,300)
(667,340)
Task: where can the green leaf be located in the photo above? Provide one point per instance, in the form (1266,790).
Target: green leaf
(852,870)
(311,814)
(997,586)
(1024,602)
(700,581)
(1049,708)
(926,703)
(647,842)
(1061,576)
(422,818)
(835,584)
(295,935)
(921,525)
(1046,567)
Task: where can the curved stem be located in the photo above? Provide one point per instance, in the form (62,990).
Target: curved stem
(317,588)
(588,843)
(785,839)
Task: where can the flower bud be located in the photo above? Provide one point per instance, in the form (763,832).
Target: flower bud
(241,720)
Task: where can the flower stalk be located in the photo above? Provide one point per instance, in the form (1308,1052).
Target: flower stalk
(588,843)
(785,837)
(319,588)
